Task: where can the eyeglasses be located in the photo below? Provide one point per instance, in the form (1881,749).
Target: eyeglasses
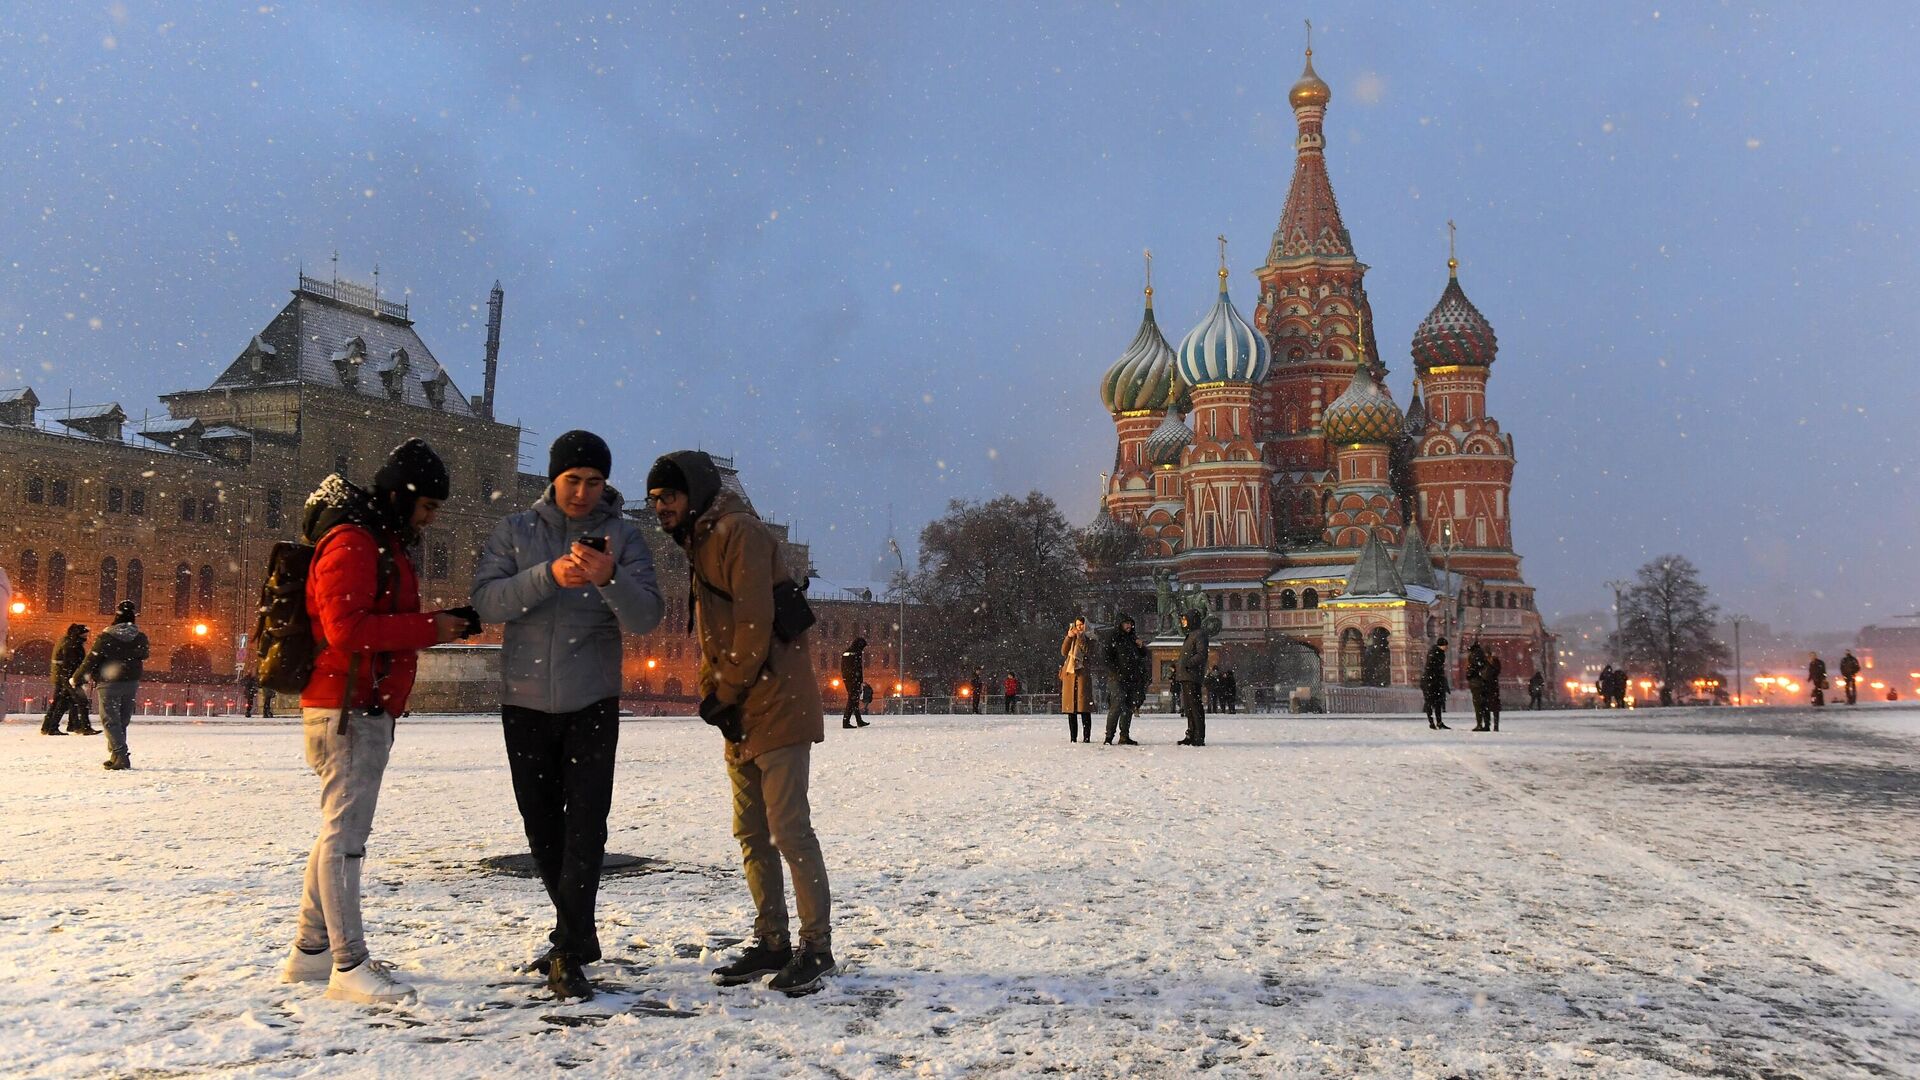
(664,497)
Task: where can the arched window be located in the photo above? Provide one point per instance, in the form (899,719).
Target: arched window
(109,585)
(58,493)
(1255,602)
(273,509)
(29,582)
(206,591)
(1310,598)
(136,582)
(1233,602)
(36,490)
(208,506)
(186,508)
(438,563)
(57,582)
(182,591)
(1288,601)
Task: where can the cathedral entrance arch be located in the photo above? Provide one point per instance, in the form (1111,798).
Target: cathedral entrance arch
(1376,664)
(1352,657)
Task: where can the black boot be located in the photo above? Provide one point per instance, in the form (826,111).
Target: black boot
(1073,728)
(803,973)
(566,980)
(759,959)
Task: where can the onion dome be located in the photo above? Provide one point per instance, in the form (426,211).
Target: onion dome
(1107,542)
(1167,442)
(1454,332)
(1224,347)
(1310,90)
(1144,377)
(1364,414)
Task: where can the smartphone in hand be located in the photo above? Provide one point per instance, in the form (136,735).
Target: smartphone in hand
(597,543)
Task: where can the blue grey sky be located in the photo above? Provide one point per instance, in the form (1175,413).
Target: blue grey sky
(883,253)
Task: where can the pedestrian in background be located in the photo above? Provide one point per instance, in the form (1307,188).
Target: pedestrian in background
(1189,672)
(758,689)
(853,678)
(1434,686)
(66,699)
(116,662)
(1493,689)
(1010,687)
(1849,674)
(1536,691)
(566,577)
(1076,682)
(976,689)
(1477,686)
(1817,679)
(1126,661)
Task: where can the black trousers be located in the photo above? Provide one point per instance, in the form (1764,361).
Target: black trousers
(69,703)
(1852,690)
(1012,700)
(1436,706)
(562,767)
(852,711)
(1193,705)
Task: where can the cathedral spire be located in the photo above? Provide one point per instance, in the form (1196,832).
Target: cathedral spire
(1310,225)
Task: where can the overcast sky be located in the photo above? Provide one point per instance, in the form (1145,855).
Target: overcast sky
(883,254)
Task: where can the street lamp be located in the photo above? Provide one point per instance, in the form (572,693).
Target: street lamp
(200,629)
(1737,689)
(19,607)
(900,649)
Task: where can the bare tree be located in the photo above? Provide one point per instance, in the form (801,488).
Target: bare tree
(1667,623)
(1000,580)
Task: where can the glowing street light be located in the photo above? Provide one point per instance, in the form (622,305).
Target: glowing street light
(200,629)
(19,607)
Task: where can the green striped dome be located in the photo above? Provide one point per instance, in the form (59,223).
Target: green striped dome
(1364,414)
(1144,377)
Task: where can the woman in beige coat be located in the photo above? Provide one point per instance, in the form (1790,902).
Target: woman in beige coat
(1076,682)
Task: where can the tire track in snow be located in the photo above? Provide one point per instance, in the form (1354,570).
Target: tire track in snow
(1848,962)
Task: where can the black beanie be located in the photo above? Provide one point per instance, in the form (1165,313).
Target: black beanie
(667,475)
(414,469)
(579,450)
(127,612)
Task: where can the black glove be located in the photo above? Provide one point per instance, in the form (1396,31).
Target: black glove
(727,718)
(472,617)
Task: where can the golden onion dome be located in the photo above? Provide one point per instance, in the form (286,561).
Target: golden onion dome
(1311,89)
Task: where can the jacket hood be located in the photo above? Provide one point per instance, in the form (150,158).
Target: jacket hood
(859,645)
(124,631)
(337,501)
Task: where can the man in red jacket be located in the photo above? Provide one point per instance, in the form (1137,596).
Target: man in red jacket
(364,601)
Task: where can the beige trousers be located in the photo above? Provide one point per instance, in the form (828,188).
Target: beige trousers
(773,822)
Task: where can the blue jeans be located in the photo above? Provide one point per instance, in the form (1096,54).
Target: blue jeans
(116,709)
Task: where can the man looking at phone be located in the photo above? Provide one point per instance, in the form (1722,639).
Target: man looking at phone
(566,577)
(759,690)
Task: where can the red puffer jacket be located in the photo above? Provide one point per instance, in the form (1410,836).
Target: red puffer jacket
(385,631)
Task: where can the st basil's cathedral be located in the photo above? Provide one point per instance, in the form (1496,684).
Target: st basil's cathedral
(1265,466)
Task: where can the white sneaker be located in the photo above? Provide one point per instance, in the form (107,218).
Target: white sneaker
(306,967)
(371,983)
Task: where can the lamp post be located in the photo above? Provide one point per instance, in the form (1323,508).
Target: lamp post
(1739,690)
(900,649)
(1618,587)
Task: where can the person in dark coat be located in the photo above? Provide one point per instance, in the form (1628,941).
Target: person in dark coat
(976,689)
(1477,686)
(68,700)
(1188,672)
(249,689)
(1604,684)
(1126,661)
(1849,674)
(1493,689)
(116,661)
(1230,690)
(853,677)
(1817,679)
(1433,686)
(1536,691)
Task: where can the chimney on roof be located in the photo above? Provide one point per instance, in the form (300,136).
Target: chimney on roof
(495,301)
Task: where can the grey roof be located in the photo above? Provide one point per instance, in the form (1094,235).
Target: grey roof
(92,412)
(18,393)
(225,431)
(1306,573)
(1373,573)
(308,336)
(1416,562)
(168,427)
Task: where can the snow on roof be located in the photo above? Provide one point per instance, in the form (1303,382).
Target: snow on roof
(1308,573)
(17,393)
(225,431)
(93,412)
(169,426)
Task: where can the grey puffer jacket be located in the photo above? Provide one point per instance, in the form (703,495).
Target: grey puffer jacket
(562,646)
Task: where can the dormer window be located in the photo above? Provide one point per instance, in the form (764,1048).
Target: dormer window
(347,360)
(436,389)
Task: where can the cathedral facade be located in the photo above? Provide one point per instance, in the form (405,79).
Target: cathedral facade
(1264,463)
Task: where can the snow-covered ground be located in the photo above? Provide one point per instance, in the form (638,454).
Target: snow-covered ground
(1649,894)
